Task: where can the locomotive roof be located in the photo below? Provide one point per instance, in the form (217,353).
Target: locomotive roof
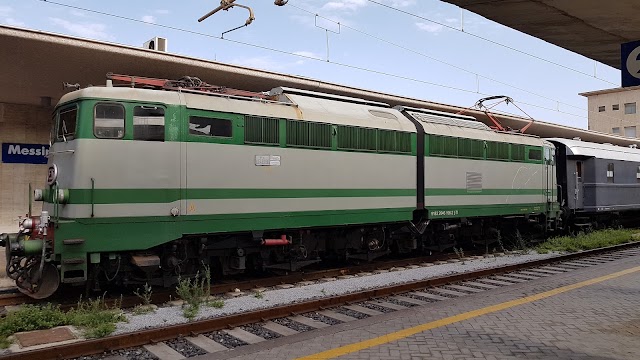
(297,105)
(311,106)
(122,93)
(600,151)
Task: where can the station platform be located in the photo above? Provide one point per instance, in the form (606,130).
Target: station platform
(589,313)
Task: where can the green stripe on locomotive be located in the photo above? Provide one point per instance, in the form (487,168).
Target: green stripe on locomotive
(132,196)
(132,233)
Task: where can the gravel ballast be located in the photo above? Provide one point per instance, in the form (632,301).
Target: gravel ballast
(171,315)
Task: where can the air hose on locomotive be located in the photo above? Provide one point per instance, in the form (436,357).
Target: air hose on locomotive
(26,254)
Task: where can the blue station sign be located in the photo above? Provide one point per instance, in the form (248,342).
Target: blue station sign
(15,153)
(630,63)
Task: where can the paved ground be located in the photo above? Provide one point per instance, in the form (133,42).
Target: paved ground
(598,321)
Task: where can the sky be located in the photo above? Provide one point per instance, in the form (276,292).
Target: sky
(423,49)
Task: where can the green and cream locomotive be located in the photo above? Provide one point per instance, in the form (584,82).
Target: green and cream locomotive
(147,185)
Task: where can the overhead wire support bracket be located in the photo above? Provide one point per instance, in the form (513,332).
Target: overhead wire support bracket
(228,4)
(327,31)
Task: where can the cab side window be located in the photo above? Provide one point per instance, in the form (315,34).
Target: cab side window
(67,123)
(108,121)
(148,123)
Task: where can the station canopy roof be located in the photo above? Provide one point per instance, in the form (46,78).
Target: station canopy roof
(34,65)
(593,28)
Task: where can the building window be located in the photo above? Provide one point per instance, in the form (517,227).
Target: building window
(601,108)
(615,130)
(610,173)
(615,107)
(638,174)
(630,131)
(199,125)
(108,121)
(148,123)
(630,108)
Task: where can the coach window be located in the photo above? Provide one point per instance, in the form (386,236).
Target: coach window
(210,126)
(610,173)
(579,170)
(638,174)
(108,121)
(148,123)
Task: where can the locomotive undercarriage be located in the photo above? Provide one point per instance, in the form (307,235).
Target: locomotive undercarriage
(485,233)
(228,255)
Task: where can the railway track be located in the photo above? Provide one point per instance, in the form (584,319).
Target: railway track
(222,333)
(12,297)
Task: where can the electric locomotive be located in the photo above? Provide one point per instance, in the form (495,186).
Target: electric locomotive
(147,184)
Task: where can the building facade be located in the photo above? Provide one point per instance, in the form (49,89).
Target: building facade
(615,111)
(23,128)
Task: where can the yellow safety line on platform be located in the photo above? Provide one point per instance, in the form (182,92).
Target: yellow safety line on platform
(347,349)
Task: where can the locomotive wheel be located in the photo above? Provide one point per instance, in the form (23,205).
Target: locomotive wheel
(47,285)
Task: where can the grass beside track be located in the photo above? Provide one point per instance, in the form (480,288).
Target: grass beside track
(592,240)
(93,317)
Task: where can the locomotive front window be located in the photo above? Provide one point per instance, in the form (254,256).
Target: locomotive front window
(67,124)
(199,125)
(148,123)
(108,121)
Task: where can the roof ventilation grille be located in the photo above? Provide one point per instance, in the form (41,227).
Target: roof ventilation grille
(450,121)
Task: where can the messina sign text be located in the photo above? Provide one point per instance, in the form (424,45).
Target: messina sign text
(24,153)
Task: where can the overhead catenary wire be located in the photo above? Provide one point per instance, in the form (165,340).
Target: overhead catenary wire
(478,75)
(491,41)
(309,57)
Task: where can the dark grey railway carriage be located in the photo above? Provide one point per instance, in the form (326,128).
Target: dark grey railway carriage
(600,179)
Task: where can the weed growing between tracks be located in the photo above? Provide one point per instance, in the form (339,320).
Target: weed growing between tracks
(94,317)
(195,293)
(592,240)
(145,296)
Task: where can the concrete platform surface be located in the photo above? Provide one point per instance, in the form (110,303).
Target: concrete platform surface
(588,313)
